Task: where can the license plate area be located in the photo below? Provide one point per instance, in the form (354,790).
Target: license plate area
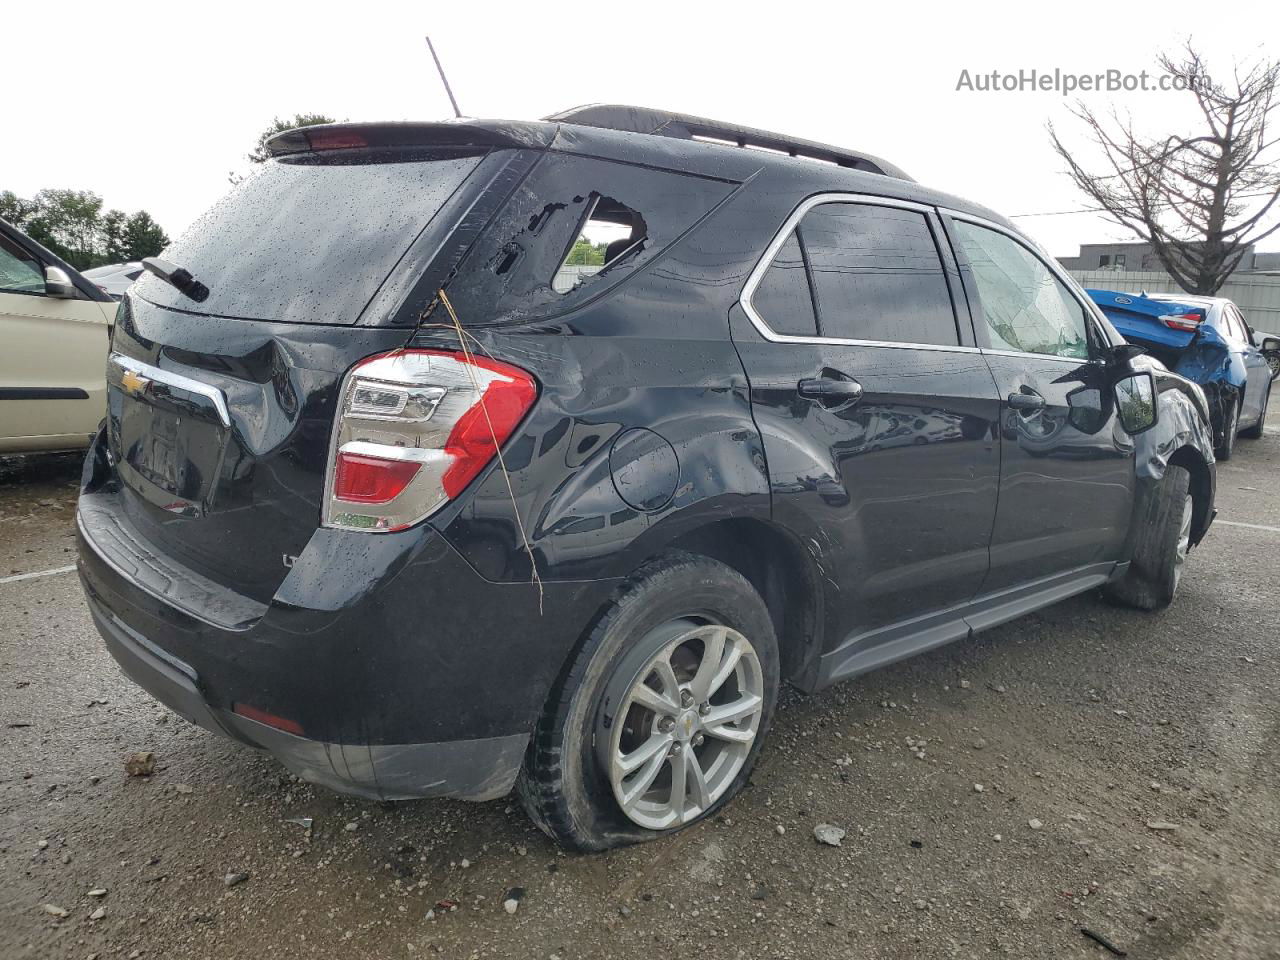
(169,435)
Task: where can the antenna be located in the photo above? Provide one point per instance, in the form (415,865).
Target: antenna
(443,78)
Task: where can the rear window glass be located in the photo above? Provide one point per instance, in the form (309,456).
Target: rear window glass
(309,239)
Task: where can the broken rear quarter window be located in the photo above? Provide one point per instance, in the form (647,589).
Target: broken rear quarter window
(610,231)
(572,231)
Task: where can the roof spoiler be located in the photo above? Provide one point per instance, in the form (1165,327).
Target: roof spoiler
(451,133)
(662,123)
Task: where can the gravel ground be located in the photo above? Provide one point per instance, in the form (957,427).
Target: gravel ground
(1083,767)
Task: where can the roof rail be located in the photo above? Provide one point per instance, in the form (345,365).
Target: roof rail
(663,123)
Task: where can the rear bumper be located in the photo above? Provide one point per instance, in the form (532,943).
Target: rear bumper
(408,674)
(480,769)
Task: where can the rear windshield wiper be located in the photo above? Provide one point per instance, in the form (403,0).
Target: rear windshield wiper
(179,278)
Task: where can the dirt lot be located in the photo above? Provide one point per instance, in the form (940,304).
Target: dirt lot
(1053,746)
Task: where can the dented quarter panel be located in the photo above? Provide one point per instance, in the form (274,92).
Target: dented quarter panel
(688,390)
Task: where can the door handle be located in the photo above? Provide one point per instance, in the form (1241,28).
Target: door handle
(828,390)
(1026,402)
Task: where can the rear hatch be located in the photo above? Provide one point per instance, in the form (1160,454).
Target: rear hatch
(221,407)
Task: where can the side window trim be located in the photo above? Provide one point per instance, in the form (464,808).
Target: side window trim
(1228,322)
(1241,327)
(960,304)
(808,276)
(1087,306)
(780,238)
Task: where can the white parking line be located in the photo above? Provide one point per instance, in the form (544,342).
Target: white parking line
(39,573)
(1251,526)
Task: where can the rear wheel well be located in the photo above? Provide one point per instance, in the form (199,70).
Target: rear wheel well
(1201,486)
(781,572)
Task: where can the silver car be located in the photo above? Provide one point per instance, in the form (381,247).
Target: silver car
(114,279)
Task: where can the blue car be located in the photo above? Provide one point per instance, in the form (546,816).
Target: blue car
(1207,340)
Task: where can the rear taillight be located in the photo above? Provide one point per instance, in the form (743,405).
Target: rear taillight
(359,479)
(1187,322)
(414,428)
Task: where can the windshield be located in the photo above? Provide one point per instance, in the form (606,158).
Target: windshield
(309,239)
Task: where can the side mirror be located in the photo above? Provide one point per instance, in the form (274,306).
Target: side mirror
(1136,402)
(1270,348)
(58,284)
(1126,352)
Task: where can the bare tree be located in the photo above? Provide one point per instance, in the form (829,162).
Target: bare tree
(1200,200)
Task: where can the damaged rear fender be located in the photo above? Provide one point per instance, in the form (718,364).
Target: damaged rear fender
(1181,437)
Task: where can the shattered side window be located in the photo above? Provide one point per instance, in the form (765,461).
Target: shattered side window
(574,229)
(610,231)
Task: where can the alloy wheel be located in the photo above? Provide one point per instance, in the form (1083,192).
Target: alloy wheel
(686,725)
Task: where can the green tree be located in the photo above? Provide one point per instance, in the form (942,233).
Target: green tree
(586,253)
(259,153)
(113,239)
(73,225)
(67,223)
(15,209)
(142,237)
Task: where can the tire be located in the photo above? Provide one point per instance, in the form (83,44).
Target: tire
(572,784)
(1161,551)
(1255,432)
(1230,427)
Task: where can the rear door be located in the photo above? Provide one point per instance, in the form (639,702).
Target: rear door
(876,411)
(52,394)
(1066,478)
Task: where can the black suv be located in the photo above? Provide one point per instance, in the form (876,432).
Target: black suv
(443,458)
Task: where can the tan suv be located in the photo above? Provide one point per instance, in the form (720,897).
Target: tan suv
(53,326)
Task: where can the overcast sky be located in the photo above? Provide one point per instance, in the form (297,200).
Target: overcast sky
(152,105)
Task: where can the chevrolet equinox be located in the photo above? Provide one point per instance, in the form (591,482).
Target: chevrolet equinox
(446,459)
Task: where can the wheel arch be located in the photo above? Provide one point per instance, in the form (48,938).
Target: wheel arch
(1202,487)
(782,572)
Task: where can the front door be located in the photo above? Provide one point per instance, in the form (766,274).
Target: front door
(1066,477)
(877,414)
